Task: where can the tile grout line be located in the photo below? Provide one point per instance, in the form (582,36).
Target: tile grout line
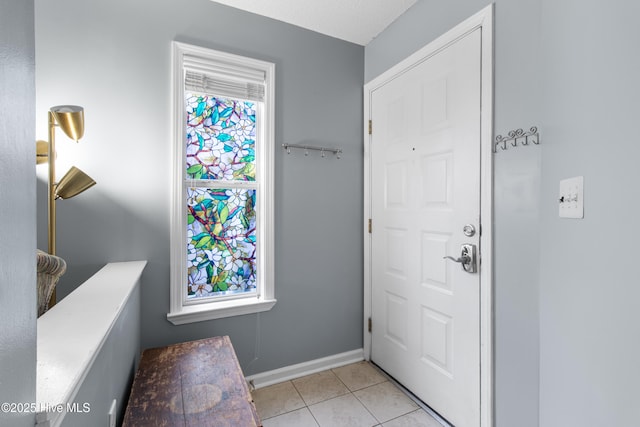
(414,398)
(349,392)
(306,404)
(385,379)
(379,423)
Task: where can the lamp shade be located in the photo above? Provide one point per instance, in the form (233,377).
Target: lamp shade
(73,183)
(71,120)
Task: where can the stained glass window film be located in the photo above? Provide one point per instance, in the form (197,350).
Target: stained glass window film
(221,138)
(221,241)
(222,203)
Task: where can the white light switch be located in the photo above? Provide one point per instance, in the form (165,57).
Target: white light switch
(571,200)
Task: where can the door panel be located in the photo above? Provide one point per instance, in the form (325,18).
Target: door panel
(425,186)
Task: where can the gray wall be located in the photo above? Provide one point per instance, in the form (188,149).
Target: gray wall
(118,69)
(589,289)
(17,210)
(112,372)
(566,322)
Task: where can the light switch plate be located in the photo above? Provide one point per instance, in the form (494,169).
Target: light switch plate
(112,414)
(571,199)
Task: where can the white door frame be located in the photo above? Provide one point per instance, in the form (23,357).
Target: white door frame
(484,21)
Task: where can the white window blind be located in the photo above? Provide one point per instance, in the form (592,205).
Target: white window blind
(224,78)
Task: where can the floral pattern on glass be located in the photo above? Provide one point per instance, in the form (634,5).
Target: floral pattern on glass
(221,137)
(221,242)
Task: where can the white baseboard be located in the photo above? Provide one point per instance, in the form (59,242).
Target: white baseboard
(287,373)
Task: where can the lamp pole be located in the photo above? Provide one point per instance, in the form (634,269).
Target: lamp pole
(70,118)
(51,202)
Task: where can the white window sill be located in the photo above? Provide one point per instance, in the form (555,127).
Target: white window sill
(218,310)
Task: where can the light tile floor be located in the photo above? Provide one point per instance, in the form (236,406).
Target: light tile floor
(356,395)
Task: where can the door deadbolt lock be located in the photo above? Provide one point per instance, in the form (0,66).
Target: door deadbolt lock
(468,258)
(469,230)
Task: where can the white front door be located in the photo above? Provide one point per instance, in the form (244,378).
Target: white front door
(425,152)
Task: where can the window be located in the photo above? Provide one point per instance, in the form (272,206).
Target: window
(222,198)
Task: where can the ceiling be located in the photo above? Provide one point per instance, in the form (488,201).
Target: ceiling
(356,21)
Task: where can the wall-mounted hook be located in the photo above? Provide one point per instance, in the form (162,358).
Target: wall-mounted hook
(515,136)
(306,148)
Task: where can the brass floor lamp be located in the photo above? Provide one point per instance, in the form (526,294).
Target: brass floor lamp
(70,118)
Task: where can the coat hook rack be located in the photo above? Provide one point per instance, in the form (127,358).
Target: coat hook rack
(517,136)
(306,148)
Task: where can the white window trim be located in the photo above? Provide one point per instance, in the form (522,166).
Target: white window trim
(180,311)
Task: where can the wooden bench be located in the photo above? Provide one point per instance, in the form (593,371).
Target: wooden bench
(197,383)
